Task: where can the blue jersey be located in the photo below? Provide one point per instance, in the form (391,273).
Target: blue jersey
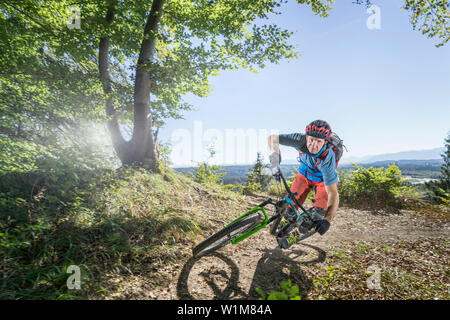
(310,166)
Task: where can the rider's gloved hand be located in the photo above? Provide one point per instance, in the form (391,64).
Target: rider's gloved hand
(275,159)
(321,226)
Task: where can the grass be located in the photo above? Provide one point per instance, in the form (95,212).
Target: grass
(134,224)
(405,270)
(429,211)
(130,229)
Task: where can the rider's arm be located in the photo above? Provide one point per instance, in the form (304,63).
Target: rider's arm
(331,179)
(296,140)
(274,143)
(333,201)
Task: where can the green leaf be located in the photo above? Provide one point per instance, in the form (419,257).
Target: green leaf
(294,293)
(261,293)
(274,295)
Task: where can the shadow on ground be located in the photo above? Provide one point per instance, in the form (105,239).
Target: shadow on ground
(278,265)
(220,292)
(219,279)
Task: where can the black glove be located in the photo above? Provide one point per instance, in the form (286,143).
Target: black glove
(275,159)
(321,226)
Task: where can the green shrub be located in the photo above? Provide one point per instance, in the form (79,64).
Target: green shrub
(237,188)
(288,292)
(438,191)
(440,196)
(256,179)
(371,188)
(48,178)
(208,174)
(251,188)
(412,191)
(42,185)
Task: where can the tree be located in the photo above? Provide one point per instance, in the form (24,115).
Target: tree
(445,168)
(256,176)
(440,189)
(136,58)
(432,17)
(208,173)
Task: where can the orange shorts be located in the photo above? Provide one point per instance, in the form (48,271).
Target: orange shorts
(303,186)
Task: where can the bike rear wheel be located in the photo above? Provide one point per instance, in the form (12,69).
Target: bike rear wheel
(227,234)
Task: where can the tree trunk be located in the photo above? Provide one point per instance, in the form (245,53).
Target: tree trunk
(141,150)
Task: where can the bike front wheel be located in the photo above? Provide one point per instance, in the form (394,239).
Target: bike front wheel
(227,234)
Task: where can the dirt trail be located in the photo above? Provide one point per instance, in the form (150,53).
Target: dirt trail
(234,271)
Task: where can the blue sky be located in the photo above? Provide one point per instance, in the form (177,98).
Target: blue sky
(382,91)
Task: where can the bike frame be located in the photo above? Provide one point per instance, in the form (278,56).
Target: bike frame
(290,199)
(263,224)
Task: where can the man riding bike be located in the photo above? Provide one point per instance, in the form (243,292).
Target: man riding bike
(317,169)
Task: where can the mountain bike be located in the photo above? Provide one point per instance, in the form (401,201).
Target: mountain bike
(285,219)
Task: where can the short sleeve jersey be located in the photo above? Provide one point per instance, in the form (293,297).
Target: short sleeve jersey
(327,166)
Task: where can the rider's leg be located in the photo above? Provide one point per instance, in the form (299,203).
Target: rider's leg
(301,185)
(321,197)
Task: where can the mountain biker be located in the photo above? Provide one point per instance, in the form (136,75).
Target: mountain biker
(316,170)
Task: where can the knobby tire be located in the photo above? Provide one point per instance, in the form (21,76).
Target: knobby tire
(227,234)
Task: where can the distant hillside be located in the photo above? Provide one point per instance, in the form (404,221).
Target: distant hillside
(422,169)
(404,155)
(238,173)
(415,171)
(429,164)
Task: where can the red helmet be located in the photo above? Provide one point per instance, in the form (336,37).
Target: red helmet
(319,129)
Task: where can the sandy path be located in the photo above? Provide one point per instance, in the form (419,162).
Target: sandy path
(234,271)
